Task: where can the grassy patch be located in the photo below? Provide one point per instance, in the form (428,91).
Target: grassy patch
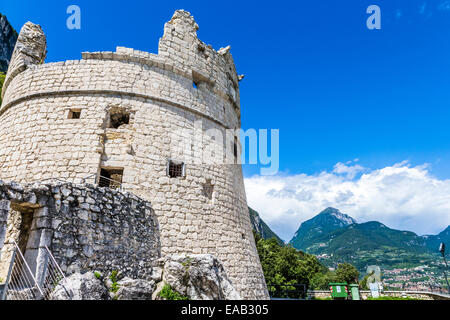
(168,293)
(113,277)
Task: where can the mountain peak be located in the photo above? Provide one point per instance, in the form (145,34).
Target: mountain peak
(329,210)
(346,219)
(327,221)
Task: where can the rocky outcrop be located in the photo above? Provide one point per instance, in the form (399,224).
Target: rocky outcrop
(80,287)
(8,38)
(135,289)
(199,277)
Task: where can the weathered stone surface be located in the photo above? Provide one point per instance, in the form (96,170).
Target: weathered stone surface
(123,236)
(135,289)
(31,44)
(30,50)
(157,274)
(200,277)
(80,287)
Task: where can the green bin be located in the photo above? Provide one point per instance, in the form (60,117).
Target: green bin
(354,290)
(339,290)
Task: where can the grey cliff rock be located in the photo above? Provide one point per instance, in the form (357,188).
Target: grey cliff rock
(80,287)
(8,38)
(135,289)
(200,277)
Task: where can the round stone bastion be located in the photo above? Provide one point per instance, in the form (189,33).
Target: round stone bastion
(141,123)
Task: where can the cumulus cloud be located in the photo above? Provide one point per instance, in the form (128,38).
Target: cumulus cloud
(350,171)
(401,196)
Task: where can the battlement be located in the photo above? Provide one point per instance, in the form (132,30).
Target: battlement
(205,80)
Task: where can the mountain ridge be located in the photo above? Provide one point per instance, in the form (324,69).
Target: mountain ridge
(326,221)
(8,38)
(261,228)
(362,244)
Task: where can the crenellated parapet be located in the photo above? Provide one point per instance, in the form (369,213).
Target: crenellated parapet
(209,68)
(186,73)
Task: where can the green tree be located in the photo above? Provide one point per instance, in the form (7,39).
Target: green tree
(364,282)
(346,272)
(321,281)
(284,265)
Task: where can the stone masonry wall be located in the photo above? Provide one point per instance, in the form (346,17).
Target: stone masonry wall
(39,141)
(85,227)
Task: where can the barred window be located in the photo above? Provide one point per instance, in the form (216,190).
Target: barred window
(175,169)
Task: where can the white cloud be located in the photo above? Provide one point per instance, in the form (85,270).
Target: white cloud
(401,196)
(444,5)
(349,171)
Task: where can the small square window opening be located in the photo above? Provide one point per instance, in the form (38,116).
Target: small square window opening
(110,178)
(74,114)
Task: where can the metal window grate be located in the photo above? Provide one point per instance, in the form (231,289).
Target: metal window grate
(175,169)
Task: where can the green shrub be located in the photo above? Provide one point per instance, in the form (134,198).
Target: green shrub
(113,277)
(98,275)
(346,272)
(168,293)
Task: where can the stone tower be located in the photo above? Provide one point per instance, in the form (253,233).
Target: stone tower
(131,119)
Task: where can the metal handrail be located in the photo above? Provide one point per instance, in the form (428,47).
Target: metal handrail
(115,181)
(89,176)
(28,267)
(54,261)
(19,280)
(51,273)
(83,180)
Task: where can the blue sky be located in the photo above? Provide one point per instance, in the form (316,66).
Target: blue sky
(335,90)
